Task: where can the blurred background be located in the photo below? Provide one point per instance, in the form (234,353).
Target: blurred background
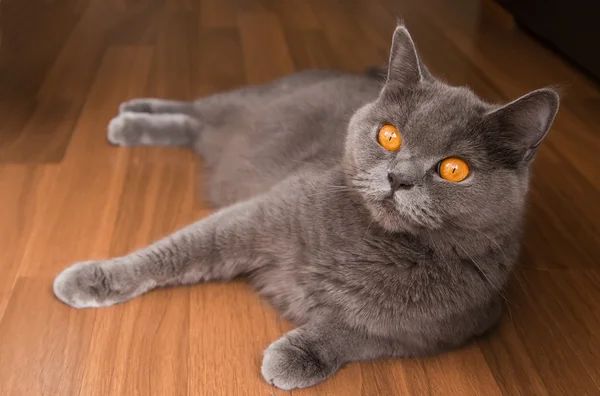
(66,195)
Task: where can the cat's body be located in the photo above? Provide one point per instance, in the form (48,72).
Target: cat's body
(252,150)
(368,251)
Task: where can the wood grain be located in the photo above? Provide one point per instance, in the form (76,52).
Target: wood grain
(66,195)
(45,136)
(20,185)
(218,14)
(43,346)
(265,50)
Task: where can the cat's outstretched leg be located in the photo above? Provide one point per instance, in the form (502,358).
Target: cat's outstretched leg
(218,247)
(143,129)
(158,122)
(217,108)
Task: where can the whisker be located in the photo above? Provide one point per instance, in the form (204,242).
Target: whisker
(481,270)
(356,167)
(369,226)
(508,302)
(434,245)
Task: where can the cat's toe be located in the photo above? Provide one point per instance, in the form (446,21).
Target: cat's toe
(83,285)
(135,106)
(122,131)
(288,366)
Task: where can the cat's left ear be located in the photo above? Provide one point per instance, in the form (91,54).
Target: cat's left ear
(527,120)
(404,65)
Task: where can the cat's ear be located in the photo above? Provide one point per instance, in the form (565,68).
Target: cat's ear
(404,66)
(527,120)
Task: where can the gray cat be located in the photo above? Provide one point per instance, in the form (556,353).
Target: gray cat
(379,212)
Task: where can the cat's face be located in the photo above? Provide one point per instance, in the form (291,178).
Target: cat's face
(426,155)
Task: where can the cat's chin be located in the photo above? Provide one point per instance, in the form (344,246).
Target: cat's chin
(390,217)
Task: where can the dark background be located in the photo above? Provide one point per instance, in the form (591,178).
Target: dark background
(571,27)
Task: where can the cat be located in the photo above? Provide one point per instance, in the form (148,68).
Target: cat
(380,212)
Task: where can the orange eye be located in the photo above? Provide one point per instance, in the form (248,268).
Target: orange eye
(453,169)
(389,138)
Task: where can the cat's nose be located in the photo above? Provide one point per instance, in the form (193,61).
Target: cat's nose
(398,182)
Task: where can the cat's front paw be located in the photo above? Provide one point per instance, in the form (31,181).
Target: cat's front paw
(92,284)
(290,363)
(82,285)
(86,285)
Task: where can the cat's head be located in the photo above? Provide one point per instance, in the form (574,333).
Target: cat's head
(426,155)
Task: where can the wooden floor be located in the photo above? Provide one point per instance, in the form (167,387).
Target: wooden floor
(66,195)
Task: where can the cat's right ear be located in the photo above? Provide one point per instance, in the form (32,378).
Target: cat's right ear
(525,122)
(404,66)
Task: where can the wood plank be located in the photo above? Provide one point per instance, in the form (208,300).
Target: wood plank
(45,136)
(64,221)
(310,50)
(542,344)
(21,188)
(175,57)
(14,114)
(48,342)
(220,62)
(265,50)
(462,372)
(352,49)
(218,14)
(294,14)
(77,215)
(563,300)
(84,48)
(386,377)
(181,5)
(122,334)
(554,222)
(377,24)
(252,6)
(138,28)
(229,330)
(513,367)
(31,41)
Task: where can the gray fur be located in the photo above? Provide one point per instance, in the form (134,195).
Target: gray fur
(309,217)
(139,129)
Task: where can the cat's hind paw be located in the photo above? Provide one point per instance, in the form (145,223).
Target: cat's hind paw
(122,130)
(140,105)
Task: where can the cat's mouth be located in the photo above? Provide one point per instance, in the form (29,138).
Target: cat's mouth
(399,211)
(404,213)
(388,202)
